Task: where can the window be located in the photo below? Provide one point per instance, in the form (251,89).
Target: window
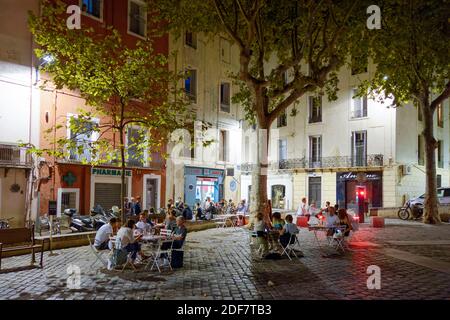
(223,146)
(68,198)
(439,180)
(282,120)
(225,50)
(315,151)
(285,78)
(92,7)
(359,63)
(440,155)
(419,113)
(137,20)
(81,135)
(282,149)
(278,196)
(359,148)
(315,109)
(440,116)
(420,151)
(315,190)
(136,157)
(190,38)
(225,97)
(190,85)
(359,105)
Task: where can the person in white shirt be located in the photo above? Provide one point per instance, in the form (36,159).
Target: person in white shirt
(332,220)
(101,241)
(303,209)
(142,224)
(125,239)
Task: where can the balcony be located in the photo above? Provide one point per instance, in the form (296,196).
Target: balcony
(14,156)
(371,160)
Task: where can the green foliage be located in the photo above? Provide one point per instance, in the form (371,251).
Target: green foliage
(274,37)
(127,86)
(411,51)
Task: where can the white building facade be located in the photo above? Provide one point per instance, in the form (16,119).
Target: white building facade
(193,174)
(329,150)
(19,113)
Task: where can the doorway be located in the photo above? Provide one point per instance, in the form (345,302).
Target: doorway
(314,191)
(151,191)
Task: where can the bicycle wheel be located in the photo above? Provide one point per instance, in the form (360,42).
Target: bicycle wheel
(403,213)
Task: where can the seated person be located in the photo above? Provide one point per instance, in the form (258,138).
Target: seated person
(179,233)
(199,212)
(101,241)
(277,222)
(187,212)
(331,221)
(142,224)
(170,222)
(261,234)
(125,239)
(288,229)
(344,221)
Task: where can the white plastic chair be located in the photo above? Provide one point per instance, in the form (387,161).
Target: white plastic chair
(168,243)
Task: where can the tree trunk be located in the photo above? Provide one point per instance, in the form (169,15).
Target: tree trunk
(431,214)
(122,175)
(258,197)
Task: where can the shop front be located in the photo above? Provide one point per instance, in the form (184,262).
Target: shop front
(369,184)
(106,185)
(200,183)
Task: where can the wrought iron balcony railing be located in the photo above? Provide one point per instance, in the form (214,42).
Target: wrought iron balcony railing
(14,156)
(370,160)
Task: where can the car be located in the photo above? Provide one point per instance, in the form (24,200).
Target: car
(443,195)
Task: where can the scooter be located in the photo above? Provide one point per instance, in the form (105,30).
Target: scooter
(79,223)
(99,217)
(4,223)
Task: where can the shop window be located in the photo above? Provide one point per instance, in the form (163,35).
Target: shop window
(278,196)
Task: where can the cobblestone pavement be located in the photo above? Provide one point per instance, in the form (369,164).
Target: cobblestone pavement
(220,264)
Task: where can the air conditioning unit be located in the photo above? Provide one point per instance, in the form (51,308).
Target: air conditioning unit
(406,169)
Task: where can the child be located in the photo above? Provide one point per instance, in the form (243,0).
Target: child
(288,229)
(261,235)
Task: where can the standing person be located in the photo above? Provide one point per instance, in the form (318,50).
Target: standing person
(303,209)
(132,202)
(137,206)
(127,206)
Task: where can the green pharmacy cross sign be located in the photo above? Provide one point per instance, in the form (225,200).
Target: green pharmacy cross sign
(69,178)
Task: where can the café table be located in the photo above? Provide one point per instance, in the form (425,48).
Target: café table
(320,229)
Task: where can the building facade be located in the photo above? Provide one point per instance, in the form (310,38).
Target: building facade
(329,150)
(196,169)
(19,113)
(73,184)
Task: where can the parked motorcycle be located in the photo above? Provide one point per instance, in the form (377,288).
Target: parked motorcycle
(410,210)
(4,223)
(79,223)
